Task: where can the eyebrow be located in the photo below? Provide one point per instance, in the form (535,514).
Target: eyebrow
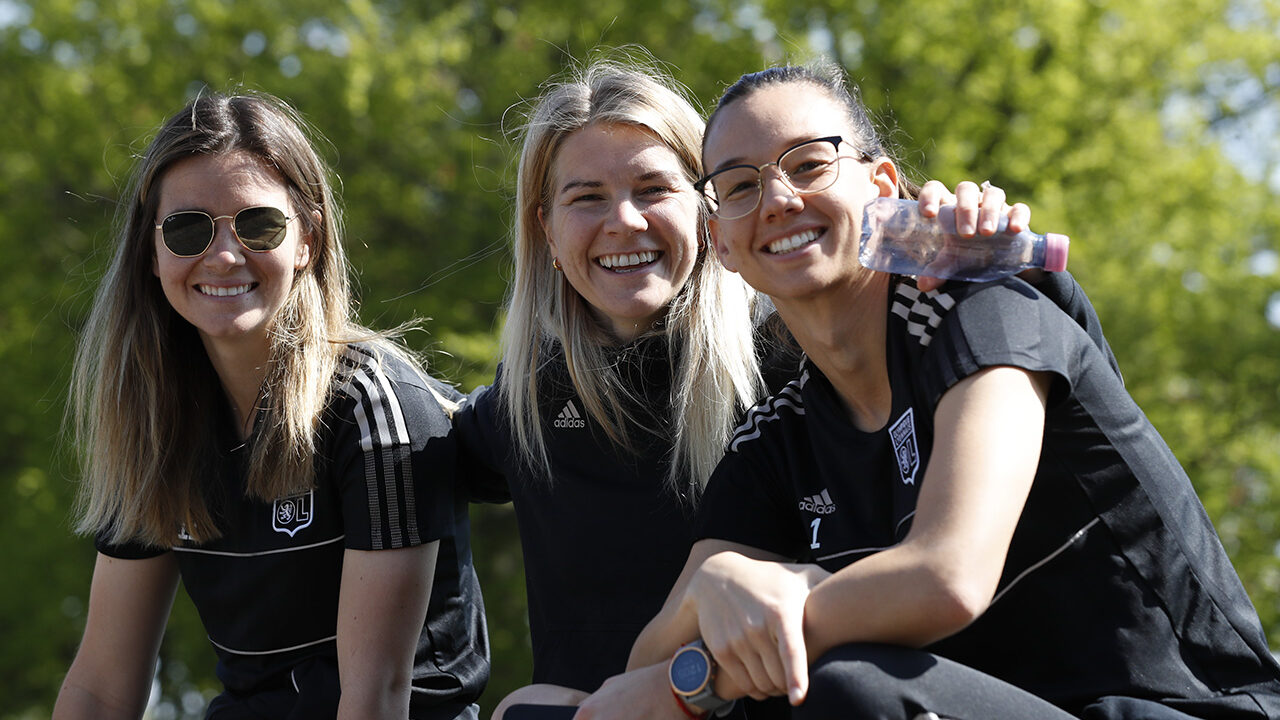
(575,184)
(643,177)
(730,163)
(740,160)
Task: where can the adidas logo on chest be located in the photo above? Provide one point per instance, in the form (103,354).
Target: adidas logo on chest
(569,417)
(820,504)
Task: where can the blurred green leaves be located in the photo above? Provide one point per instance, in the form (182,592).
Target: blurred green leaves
(1140,128)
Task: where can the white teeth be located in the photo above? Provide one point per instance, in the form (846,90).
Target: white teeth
(224,291)
(627,260)
(788,244)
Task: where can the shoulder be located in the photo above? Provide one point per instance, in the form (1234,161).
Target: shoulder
(779,413)
(1008,302)
(1009,311)
(918,313)
(1004,322)
(385,388)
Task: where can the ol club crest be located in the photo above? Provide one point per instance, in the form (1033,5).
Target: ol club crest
(291,514)
(903,434)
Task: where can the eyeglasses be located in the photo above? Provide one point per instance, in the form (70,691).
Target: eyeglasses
(808,167)
(190,232)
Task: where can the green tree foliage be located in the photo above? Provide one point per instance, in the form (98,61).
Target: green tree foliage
(1144,129)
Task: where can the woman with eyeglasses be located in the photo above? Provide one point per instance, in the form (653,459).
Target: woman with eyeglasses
(241,431)
(955,510)
(628,356)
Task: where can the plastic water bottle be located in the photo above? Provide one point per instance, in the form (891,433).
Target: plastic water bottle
(896,239)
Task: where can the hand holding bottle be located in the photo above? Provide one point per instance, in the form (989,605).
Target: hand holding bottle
(897,238)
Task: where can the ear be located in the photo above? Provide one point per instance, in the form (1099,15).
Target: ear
(302,254)
(546,232)
(722,248)
(884,174)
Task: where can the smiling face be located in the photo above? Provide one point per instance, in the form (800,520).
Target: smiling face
(622,222)
(792,245)
(229,294)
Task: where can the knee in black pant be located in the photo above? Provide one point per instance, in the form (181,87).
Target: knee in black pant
(863,680)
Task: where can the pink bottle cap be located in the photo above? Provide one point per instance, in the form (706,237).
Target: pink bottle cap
(1055,252)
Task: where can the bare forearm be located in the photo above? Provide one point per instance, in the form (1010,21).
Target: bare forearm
(76,702)
(886,598)
(388,702)
(381,609)
(668,630)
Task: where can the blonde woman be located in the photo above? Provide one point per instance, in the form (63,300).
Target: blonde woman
(628,355)
(242,432)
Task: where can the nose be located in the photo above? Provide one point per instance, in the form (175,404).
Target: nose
(225,250)
(626,218)
(777,197)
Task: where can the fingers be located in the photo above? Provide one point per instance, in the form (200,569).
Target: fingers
(1019,218)
(795,659)
(992,209)
(982,209)
(933,196)
(750,656)
(968,200)
(928,284)
(746,671)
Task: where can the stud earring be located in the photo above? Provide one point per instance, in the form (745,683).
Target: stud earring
(555,263)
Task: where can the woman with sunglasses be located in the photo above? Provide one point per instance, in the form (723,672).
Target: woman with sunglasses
(241,431)
(628,355)
(956,510)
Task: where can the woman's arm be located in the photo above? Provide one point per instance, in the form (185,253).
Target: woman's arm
(382,606)
(129,603)
(930,586)
(483,443)
(988,432)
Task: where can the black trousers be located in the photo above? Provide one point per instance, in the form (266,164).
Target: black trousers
(867,681)
(885,682)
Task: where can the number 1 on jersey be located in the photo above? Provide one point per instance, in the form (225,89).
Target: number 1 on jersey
(815,544)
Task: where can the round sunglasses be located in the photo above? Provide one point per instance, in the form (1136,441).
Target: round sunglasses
(190,232)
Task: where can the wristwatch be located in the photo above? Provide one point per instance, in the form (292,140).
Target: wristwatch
(693,674)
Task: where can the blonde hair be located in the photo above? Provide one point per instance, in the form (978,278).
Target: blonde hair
(708,323)
(146,401)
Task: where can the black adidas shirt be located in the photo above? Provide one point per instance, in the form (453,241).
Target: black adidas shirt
(267,589)
(603,541)
(1115,583)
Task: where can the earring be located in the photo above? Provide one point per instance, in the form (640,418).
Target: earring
(555,263)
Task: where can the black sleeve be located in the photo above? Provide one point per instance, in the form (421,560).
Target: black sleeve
(1066,293)
(394,457)
(1006,322)
(483,444)
(745,502)
(126,551)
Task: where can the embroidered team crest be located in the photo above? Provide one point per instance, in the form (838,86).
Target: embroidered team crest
(291,514)
(903,434)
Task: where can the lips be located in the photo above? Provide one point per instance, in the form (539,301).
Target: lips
(792,242)
(225,291)
(628,262)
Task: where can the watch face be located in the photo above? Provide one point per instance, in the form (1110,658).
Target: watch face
(689,671)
